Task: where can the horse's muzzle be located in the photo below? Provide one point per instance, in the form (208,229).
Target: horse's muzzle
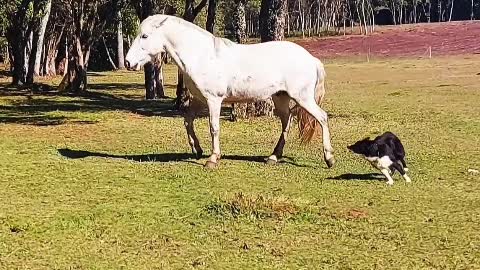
(130,67)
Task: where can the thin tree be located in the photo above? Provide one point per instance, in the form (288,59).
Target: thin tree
(41,36)
(451,10)
(145,8)
(17,35)
(120,50)
(211,16)
(472,15)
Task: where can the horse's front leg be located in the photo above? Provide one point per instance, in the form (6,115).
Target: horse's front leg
(214,107)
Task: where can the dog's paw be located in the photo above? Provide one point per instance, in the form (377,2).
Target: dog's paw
(407,179)
(405,169)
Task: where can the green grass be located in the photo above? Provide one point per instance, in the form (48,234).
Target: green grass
(103,181)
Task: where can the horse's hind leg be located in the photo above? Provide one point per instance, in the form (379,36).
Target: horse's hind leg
(321,116)
(282,110)
(189,117)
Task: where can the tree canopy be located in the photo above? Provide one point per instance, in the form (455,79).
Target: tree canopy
(48,37)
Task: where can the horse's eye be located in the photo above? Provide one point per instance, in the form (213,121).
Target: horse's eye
(144,36)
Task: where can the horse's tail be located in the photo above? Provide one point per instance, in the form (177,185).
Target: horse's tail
(308,126)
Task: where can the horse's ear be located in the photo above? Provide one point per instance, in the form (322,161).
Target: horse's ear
(158,23)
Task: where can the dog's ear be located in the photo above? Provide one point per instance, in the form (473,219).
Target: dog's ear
(373,149)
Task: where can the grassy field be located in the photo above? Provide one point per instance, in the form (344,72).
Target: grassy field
(105,181)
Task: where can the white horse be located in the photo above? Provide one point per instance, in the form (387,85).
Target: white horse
(217,70)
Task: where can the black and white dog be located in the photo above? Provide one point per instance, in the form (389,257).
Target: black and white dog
(385,153)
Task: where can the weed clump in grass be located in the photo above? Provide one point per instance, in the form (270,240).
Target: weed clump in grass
(253,207)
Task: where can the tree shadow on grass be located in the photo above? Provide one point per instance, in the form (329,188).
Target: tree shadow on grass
(164,157)
(359,177)
(38,103)
(39,120)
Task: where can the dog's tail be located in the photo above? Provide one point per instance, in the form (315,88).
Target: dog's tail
(307,124)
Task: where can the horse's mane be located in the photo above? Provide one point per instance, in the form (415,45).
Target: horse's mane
(190,25)
(180,21)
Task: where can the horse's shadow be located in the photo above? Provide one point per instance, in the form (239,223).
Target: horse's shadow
(165,157)
(359,177)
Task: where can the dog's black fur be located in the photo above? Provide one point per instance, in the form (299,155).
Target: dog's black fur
(387,144)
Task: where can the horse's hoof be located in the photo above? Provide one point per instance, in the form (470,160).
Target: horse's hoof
(210,165)
(271,161)
(330,162)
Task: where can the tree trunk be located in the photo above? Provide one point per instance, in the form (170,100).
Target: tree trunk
(440,12)
(54,35)
(120,50)
(18,37)
(239,21)
(149,81)
(364,17)
(451,11)
(414,11)
(472,15)
(41,37)
(108,54)
(272,20)
(430,15)
(75,80)
(401,12)
(87,28)
(211,14)
(301,13)
(144,10)
(27,53)
(158,70)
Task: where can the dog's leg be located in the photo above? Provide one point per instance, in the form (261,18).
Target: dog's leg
(404,164)
(387,175)
(392,170)
(400,169)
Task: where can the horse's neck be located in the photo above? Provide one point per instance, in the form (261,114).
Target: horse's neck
(186,44)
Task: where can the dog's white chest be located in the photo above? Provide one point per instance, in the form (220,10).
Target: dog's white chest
(380,163)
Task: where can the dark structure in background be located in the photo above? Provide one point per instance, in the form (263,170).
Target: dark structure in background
(384,16)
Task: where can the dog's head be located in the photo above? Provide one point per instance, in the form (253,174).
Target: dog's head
(364,147)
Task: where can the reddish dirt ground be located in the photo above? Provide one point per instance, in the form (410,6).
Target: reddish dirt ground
(455,38)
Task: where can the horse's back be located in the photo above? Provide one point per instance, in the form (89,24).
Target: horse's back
(260,70)
(276,50)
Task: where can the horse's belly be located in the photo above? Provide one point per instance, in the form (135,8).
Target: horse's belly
(249,89)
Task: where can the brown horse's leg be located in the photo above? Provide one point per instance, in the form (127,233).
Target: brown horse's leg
(193,141)
(282,110)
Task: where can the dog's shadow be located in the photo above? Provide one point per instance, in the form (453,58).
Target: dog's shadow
(359,177)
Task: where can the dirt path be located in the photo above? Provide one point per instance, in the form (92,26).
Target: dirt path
(402,41)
